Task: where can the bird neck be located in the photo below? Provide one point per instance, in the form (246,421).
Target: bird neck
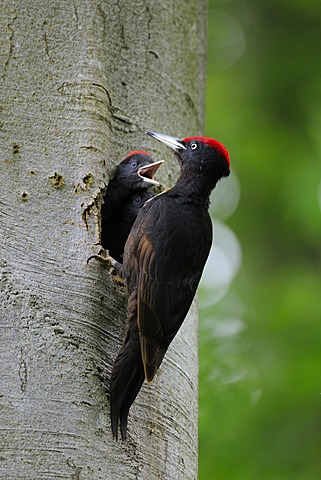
(193,189)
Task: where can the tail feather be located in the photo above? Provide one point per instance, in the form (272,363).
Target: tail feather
(126,380)
(132,390)
(127,374)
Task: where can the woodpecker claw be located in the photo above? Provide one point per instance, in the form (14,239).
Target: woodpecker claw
(113,267)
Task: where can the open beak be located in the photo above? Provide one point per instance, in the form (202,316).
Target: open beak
(172,142)
(147,172)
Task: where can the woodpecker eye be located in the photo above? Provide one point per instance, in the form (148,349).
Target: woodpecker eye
(194,146)
(134,164)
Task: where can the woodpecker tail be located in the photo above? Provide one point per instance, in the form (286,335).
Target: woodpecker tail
(127,374)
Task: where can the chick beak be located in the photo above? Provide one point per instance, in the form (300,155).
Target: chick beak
(147,172)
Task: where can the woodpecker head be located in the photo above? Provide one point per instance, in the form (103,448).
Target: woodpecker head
(137,171)
(136,202)
(198,156)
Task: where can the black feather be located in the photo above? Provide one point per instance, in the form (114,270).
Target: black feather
(163,261)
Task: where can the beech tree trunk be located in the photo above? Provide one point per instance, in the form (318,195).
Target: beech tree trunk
(81,82)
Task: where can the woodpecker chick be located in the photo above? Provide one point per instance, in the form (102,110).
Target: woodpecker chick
(134,174)
(163,261)
(118,227)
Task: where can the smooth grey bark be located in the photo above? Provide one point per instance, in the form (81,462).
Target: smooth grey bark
(81,82)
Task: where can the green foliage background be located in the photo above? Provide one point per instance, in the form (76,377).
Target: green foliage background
(260,338)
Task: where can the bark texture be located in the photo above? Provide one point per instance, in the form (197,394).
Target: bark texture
(81,82)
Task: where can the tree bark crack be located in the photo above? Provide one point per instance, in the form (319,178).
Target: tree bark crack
(11,46)
(45,38)
(76,470)
(23,372)
(76,16)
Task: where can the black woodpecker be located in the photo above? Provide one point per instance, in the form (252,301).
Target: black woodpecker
(163,261)
(119,226)
(135,173)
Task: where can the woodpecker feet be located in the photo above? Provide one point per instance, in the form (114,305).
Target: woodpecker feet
(113,267)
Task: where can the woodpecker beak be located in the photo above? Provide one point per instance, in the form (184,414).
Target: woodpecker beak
(147,172)
(172,142)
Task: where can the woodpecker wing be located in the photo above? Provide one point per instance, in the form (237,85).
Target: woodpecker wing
(167,249)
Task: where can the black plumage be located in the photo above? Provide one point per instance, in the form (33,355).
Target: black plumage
(163,262)
(118,226)
(126,193)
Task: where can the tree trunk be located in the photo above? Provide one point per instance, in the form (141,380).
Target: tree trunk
(81,82)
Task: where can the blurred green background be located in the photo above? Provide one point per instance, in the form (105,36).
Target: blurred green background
(260,298)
